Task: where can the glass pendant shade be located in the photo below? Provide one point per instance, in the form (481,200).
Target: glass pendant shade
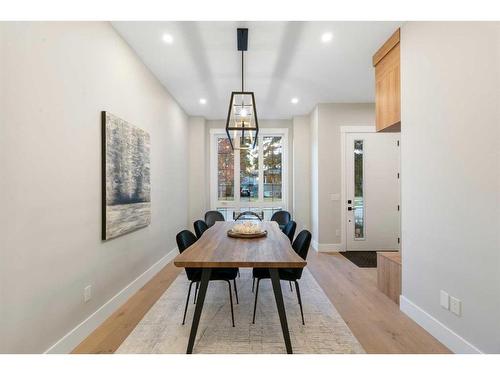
(242,120)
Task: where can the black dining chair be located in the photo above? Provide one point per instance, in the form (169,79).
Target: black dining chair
(185,239)
(199,227)
(301,247)
(289,229)
(282,218)
(212,216)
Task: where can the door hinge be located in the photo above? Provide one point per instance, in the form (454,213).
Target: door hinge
(398,240)
(398,143)
(398,207)
(398,175)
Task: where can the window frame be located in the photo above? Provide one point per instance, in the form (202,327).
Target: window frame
(236,203)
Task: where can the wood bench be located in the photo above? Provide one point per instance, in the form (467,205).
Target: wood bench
(389,274)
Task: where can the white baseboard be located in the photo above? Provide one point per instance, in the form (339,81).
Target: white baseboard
(446,336)
(326,247)
(67,343)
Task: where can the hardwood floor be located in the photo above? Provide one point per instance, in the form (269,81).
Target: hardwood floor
(374,319)
(110,334)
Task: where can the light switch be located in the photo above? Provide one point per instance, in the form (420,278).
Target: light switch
(444,300)
(455,306)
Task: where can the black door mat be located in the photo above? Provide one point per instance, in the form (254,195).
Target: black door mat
(363,259)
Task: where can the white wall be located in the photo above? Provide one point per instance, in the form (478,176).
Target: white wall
(314,177)
(198,170)
(55,79)
(301,151)
(450,82)
(326,121)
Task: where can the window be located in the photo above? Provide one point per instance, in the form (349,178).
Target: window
(225,170)
(272,154)
(249,174)
(359,204)
(249,179)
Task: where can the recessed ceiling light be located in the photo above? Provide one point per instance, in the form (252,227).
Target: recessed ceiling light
(294,100)
(326,37)
(203,101)
(168,38)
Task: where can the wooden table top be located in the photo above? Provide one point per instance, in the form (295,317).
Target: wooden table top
(216,250)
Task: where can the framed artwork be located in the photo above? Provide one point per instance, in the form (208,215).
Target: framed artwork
(126,185)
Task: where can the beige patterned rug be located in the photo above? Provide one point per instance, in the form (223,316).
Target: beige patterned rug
(160,331)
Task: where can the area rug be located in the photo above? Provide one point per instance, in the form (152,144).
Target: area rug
(161,331)
(362,259)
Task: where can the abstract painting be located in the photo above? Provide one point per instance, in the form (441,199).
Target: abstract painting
(126,190)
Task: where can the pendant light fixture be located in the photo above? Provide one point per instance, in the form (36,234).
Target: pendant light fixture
(242,120)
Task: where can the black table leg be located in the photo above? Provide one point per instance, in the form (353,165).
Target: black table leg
(281,308)
(205,278)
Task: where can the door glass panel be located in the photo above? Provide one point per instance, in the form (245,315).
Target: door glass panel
(359,204)
(249,173)
(272,149)
(225,170)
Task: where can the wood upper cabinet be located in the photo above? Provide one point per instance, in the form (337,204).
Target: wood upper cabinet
(387,85)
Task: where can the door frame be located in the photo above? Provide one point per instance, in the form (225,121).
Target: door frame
(344,130)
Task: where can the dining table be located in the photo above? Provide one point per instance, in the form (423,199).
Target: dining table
(215,249)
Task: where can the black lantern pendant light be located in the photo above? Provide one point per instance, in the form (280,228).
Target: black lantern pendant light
(242,116)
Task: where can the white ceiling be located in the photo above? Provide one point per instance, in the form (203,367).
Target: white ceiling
(284,60)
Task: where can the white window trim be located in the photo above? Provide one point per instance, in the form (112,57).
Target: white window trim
(214,202)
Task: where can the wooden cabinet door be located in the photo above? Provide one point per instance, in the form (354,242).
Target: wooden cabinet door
(388,91)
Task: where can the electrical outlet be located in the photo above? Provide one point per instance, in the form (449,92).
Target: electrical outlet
(444,300)
(87,293)
(455,306)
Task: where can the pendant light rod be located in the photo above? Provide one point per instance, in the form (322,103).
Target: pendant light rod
(242,114)
(242,37)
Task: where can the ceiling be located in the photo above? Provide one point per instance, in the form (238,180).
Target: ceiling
(284,60)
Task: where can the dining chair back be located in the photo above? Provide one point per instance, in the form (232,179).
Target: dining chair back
(185,239)
(212,216)
(281,217)
(301,247)
(199,227)
(289,230)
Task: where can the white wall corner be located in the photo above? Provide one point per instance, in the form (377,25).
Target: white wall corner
(74,337)
(314,245)
(445,335)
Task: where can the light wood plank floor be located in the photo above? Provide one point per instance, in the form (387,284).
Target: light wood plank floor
(110,334)
(373,318)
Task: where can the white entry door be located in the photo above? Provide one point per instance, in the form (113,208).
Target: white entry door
(372,211)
